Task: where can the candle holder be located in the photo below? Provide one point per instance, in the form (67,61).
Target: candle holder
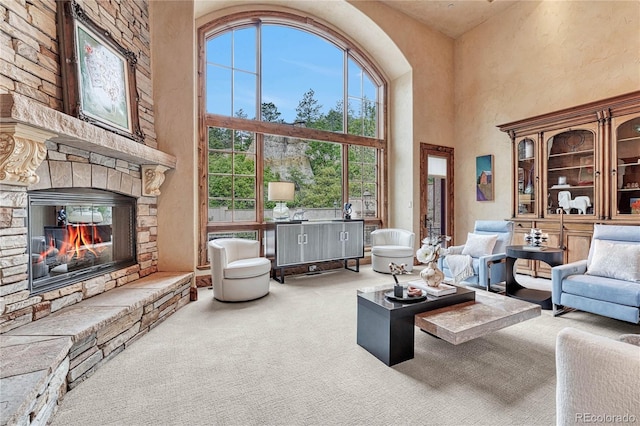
(536,238)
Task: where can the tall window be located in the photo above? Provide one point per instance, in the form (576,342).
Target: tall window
(287,99)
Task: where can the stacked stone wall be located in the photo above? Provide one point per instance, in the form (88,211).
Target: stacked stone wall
(30,52)
(68,167)
(30,64)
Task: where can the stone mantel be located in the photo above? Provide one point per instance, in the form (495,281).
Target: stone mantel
(68,130)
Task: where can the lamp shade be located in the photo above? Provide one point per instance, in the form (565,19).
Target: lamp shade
(281,191)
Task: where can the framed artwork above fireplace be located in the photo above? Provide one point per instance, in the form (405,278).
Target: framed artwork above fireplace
(98,74)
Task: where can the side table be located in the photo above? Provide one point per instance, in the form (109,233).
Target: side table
(550,256)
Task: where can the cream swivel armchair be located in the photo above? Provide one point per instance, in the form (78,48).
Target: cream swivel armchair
(392,245)
(597,378)
(238,273)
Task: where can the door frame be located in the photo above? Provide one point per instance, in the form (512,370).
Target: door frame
(437,151)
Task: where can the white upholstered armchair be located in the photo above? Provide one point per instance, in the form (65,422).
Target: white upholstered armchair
(392,245)
(238,273)
(596,376)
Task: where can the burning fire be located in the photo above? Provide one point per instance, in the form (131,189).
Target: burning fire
(78,241)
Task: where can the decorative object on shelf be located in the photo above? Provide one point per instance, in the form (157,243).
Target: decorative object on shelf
(432,275)
(574,141)
(429,254)
(585,176)
(299,214)
(529,188)
(632,185)
(528,148)
(396,269)
(406,298)
(521,150)
(562,180)
(536,238)
(281,192)
(484,178)
(398,290)
(635,205)
(580,203)
(414,291)
(347,211)
(620,173)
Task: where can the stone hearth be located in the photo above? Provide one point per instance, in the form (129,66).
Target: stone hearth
(58,338)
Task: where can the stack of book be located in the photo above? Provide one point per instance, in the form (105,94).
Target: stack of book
(442,290)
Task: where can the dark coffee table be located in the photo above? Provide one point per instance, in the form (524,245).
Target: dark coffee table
(387,329)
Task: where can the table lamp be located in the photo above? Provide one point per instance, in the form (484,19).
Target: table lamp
(281,192)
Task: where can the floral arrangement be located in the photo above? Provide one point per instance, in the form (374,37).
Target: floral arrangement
(432,249)
(635,207)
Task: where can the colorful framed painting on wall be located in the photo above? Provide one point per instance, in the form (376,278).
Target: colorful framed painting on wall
(484,178)
(99,75)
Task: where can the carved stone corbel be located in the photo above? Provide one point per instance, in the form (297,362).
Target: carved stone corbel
(152,179)
(22,149)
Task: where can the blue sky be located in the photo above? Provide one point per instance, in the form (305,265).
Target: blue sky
(293,62)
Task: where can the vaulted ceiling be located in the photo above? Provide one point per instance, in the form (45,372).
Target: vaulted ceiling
(451,17)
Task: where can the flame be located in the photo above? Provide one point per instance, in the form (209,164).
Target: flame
(77,242)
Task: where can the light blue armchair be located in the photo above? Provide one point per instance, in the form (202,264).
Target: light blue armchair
(490,268)
(608,282)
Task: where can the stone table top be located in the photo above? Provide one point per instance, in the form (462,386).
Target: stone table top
(466,321)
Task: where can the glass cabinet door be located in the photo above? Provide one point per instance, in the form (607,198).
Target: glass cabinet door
(626,166)
(526,176)
(570,181)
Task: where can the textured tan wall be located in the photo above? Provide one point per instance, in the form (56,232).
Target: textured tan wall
(425,95)
(535,58)
(174,87)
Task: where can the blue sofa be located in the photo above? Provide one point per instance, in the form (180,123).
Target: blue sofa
(608,282)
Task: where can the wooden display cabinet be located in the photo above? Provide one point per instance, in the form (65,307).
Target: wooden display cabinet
(584,160)
(572,177)
(625,175)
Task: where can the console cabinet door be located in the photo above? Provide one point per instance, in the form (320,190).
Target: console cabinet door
(353,239)
(289,243)
(331,241)
(310,242)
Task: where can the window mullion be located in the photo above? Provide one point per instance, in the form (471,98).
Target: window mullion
(345,92)
(259,70)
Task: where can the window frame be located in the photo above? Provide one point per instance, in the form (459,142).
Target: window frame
(260,128)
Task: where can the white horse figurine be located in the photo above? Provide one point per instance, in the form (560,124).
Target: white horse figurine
(580,203)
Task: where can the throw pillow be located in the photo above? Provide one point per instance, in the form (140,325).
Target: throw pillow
(478,245)
(615,260)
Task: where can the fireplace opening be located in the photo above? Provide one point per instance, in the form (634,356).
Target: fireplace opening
(76,234)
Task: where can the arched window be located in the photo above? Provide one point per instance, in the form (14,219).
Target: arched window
(273,92)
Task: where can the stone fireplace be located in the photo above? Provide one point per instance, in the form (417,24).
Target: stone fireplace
(50,161)
(76,234)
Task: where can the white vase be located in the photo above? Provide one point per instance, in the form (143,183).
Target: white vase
(432,275)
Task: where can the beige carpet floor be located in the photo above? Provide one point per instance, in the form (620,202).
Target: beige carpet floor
(291,358)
